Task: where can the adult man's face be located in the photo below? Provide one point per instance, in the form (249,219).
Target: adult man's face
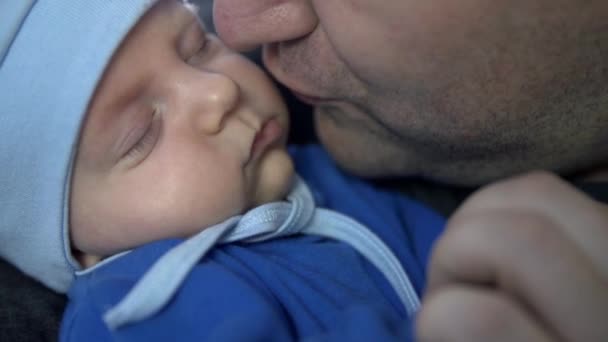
(458,91)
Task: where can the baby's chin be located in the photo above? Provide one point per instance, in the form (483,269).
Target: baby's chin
(275,177)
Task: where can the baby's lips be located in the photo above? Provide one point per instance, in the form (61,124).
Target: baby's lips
(270,132)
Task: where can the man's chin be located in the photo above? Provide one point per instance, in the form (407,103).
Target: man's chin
(356,152)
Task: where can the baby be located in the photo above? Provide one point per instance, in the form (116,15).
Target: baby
(126,129)
(181,134)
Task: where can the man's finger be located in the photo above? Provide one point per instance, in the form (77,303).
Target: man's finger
(522,254)
(576,215)
(461,313)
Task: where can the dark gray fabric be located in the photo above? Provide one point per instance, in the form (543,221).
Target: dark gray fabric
(443,198)
(28,310)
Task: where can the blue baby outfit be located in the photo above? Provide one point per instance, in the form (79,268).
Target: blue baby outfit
(281,289)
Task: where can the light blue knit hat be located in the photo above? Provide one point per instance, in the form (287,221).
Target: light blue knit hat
(52,55)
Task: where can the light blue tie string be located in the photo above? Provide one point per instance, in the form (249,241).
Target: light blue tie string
(265,222)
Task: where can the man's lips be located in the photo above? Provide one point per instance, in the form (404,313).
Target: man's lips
(308,99)
(292,82)
(302,93)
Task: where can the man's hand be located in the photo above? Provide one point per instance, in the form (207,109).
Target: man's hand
(522,260)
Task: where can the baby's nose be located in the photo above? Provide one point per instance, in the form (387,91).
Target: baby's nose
(213,101)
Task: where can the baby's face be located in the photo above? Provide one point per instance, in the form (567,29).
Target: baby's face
(181,134)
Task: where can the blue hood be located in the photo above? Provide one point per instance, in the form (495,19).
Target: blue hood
(52,55)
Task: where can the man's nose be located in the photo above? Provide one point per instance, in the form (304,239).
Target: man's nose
(246,24)
(210,101)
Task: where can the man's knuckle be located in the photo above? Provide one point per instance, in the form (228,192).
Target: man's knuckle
(449,314)
(463,233)
(537,185)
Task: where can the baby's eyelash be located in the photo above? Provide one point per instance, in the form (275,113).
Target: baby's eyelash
(146,143)
(202,47)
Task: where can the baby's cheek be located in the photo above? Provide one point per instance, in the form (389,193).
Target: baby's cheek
(90,228)
(210,202)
